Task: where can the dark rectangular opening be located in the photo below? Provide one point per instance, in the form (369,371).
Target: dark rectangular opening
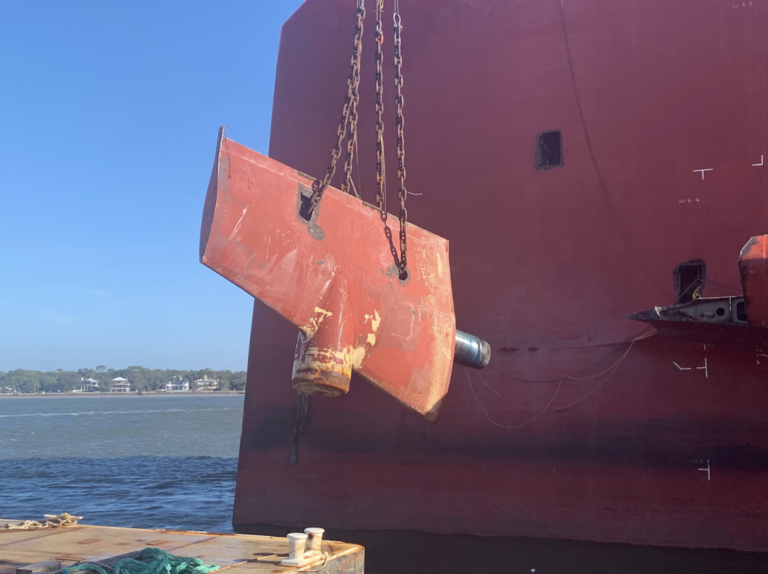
(549,150)
(305,205)
(741,312)
(689,281)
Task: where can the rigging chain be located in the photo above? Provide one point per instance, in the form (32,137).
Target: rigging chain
(381,191)
(381,198)
(348,116)
(402,192)
(355,94)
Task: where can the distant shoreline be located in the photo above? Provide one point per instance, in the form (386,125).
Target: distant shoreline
(134,394)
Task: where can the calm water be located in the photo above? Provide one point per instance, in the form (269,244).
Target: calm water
(144,462)
(170,462)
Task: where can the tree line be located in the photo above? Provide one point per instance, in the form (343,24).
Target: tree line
(141,379)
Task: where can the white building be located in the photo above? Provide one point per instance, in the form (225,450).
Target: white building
(177,385)
(120,385)
(206,384)
(89,386)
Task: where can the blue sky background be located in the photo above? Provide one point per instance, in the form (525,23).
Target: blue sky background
(109,113)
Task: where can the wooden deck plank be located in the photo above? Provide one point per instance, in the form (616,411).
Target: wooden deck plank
(243,554)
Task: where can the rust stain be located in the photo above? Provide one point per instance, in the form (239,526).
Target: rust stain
(339,287)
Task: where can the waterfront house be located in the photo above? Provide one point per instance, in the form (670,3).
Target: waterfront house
(177,385)
(89,385)
(206,384)
(120,385)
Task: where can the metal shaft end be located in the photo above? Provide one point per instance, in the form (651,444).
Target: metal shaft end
(471,351)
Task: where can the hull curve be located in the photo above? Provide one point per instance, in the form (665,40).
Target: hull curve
(583,426)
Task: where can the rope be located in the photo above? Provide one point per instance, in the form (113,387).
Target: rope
(597,388)
(723,288)
(151,561)
(644,334)
(610,371)
(506,400)
(51,521)
(326,555)
(530,420)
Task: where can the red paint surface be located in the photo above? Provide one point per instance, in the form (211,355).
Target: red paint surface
(333,275)
(753,265)
(545,265)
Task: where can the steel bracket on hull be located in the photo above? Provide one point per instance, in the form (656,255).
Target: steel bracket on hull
(736,320)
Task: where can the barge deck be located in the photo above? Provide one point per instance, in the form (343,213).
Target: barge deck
(235,553)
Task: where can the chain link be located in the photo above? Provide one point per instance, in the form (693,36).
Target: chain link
(381,191)
(355,95)
(402,192)
(348,116)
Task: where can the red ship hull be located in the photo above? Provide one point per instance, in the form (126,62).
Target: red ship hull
(644,440)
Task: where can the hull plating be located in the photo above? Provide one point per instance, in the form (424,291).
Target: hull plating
(643,440)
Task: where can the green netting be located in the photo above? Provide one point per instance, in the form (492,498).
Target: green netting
(151,561)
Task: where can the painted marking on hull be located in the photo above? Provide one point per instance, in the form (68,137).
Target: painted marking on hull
(702,171)
(707,470)
(704,368)
(758,164)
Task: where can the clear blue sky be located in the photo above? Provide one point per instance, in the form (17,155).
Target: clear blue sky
(109,113)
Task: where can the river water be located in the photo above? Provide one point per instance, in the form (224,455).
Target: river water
(136,461)
(171,461)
